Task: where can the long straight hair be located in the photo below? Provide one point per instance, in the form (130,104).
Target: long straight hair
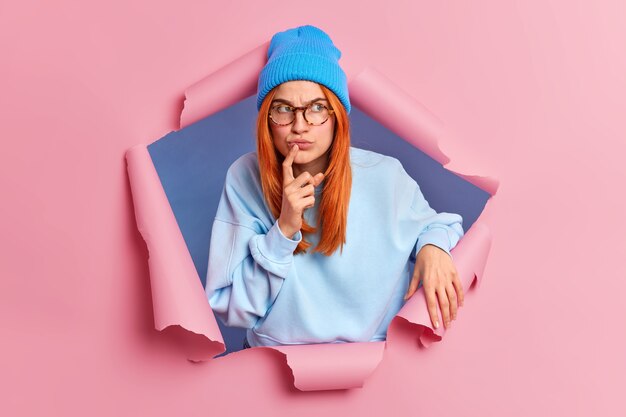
(333,207)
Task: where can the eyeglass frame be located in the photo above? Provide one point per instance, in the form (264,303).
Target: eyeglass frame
(331,111)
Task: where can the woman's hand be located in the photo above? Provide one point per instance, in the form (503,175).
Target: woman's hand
(440,281)
(297,195)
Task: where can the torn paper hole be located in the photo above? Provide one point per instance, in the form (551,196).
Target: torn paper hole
(164,217)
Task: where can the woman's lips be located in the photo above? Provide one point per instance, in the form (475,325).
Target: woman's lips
(302,145)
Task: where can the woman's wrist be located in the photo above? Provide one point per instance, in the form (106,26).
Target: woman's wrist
(289,233)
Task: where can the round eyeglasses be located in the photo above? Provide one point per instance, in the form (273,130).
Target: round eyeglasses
(314,114)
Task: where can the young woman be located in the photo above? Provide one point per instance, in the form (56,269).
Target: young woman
(313,239)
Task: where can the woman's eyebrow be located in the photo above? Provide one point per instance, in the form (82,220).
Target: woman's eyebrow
(282,100)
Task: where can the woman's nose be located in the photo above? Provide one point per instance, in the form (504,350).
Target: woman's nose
(299,123)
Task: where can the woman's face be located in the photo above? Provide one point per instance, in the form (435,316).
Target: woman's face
(300,93)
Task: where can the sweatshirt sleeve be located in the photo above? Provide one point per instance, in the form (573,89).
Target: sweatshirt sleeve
(246,267)
(443,229)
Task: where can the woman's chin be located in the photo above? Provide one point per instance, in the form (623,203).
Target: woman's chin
(302,159)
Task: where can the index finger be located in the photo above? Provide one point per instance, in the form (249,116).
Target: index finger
(287,165)
(431,302)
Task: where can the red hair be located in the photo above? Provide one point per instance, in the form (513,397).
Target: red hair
(333,207)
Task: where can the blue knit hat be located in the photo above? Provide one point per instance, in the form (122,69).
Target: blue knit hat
(303,53)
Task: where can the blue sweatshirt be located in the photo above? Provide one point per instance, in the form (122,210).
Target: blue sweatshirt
(255,281)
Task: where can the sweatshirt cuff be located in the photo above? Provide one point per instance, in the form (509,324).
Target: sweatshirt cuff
(276,247)
(436,236)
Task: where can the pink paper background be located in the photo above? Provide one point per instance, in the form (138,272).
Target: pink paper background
(535,93)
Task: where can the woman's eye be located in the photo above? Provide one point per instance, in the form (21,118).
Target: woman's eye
(317,107)
(283,109)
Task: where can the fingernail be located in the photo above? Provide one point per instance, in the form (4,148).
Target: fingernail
(436,325)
